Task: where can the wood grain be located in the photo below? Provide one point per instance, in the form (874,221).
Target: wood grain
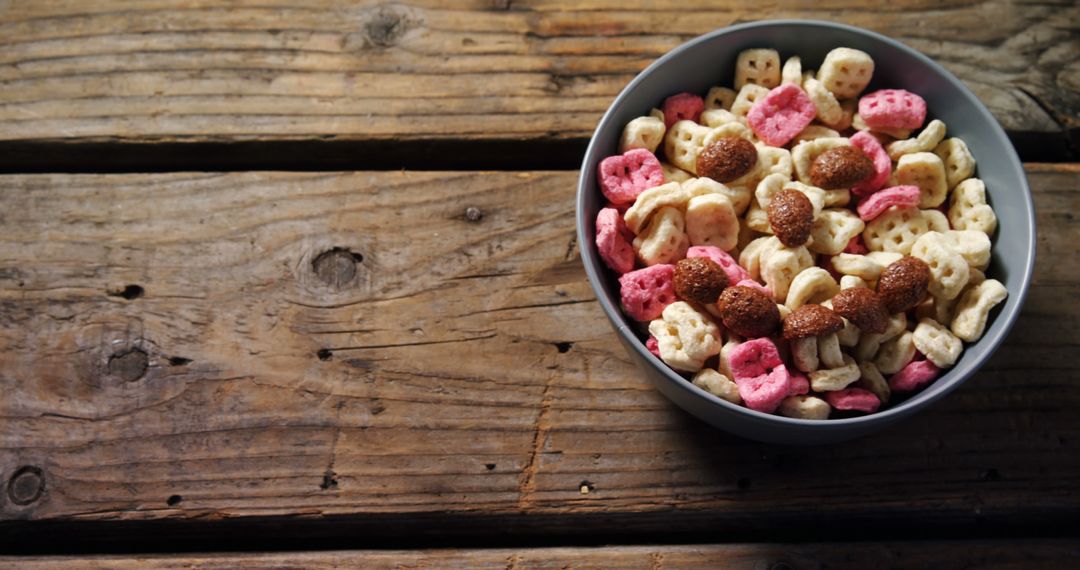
(987,555)
(183,347)
(215,71)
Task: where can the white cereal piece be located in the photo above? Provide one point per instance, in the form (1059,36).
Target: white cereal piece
(656,113)
(936,221)
(792,71)
(804,407)
(804,353)
(848,106)
(750,256)
(949,272)
(757,218)
(757,67)
(873,381)
(784,312)
(780,265)
(977,276)
(771,160)
(814,132)
(684,142)
(818,197)
(869,343)
(804,153)
(827,380)
(974,308)
(973,246)
(747,96)
(968,209)
(739,197)
(674,174)
(811,285)
(767,188)
(725,355)
(853,264)
(895,230)
(711,220)
(642,132)
(927,141)
(834,198)
(895,353)
(719,98)
(884,258)
(715,117)
(941,310)
(833,229)
(828,108)
(925,170)
(717,384)
(828,346)
(939,345)
(893,133)
(685,337)
(669,194)
(846,72)
(959,164)
(851,281)
(664,239)
(849,335)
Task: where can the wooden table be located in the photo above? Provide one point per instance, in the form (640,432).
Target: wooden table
(300,279)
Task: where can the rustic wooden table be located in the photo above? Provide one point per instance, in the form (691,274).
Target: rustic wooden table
(302,277)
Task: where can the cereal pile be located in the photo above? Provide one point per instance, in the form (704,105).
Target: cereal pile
(792,244)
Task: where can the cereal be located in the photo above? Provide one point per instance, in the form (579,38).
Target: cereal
(685,337)
(781,114)
(839,168)
(717,384)
(758,67)
(830,379)
(852,281)
(959,164)
(862,307)
(899,196)
(713,118)
(846,72)
(828,108)
(935,220)
(642,132)
(927,141)
(699,280)
(800,384)
(895,353)
(833,229)
(914,376)
(664,239)
(935,341)
(973,246)
(892,108)
(613,241)
(746,98)
(812,285)
(882,163)
(895,230)
(903,284)
(814,132)
(853,399)
(674,173)
(805,153)
(791,216)
(974,307)
(871,379)
(829,351)
(652,346)
(624,177)
(683,142)
(925,170)
(811,320)
(727,159)
(719,98)
(735,273)
(792,71)
(856,246)
(646,292)
(780,267)
(765,392)
(804,408)
(754,358)
(748,312)
(711,220)
(672,194)
(804,353)
(682,107)
(861,266)
(949,270)
(968,209)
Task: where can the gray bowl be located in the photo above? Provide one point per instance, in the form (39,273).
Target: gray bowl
(708,61)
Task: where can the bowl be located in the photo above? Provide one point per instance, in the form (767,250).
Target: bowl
(708,61)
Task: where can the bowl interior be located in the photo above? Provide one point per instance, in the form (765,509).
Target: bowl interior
(709,61)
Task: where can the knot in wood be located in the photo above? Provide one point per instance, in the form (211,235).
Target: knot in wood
(336,267)
(26,485)
(386,27)
(474,214)
(129,365)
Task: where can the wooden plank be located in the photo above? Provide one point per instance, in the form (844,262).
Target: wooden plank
(999,554)
(424,346)
(214,71)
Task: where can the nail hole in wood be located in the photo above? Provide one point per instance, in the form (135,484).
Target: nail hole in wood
(26,485)
(586,487)
(337,267)
(324,354)
(329,480)
(179,361)
(173,500)
(131,292)
(989,475)
(564,347)
(129,365)
(490,466)
(474,214)
(743,483)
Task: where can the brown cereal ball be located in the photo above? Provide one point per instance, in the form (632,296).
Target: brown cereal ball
(862,307)
(811,320)
(840,167)
(748,312)
(727,159)
(699,280)
(791,216)
(903,284)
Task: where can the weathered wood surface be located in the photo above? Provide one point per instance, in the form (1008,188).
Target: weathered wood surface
(987,555)
(332,70)
(199,347)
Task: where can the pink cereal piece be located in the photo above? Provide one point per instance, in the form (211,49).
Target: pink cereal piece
(875,204)
(764,393)
(620,208)
(755,285)
(915,375)
(734,271)
(871,147)
(800,384)
(855,399)
(682,107)
(613,241)
(781,114)
(856,245)
(754,358)
(892,108)
(624,176)
(646,292)
(653,346)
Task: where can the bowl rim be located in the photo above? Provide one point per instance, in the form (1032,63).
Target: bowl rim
(1010,312)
